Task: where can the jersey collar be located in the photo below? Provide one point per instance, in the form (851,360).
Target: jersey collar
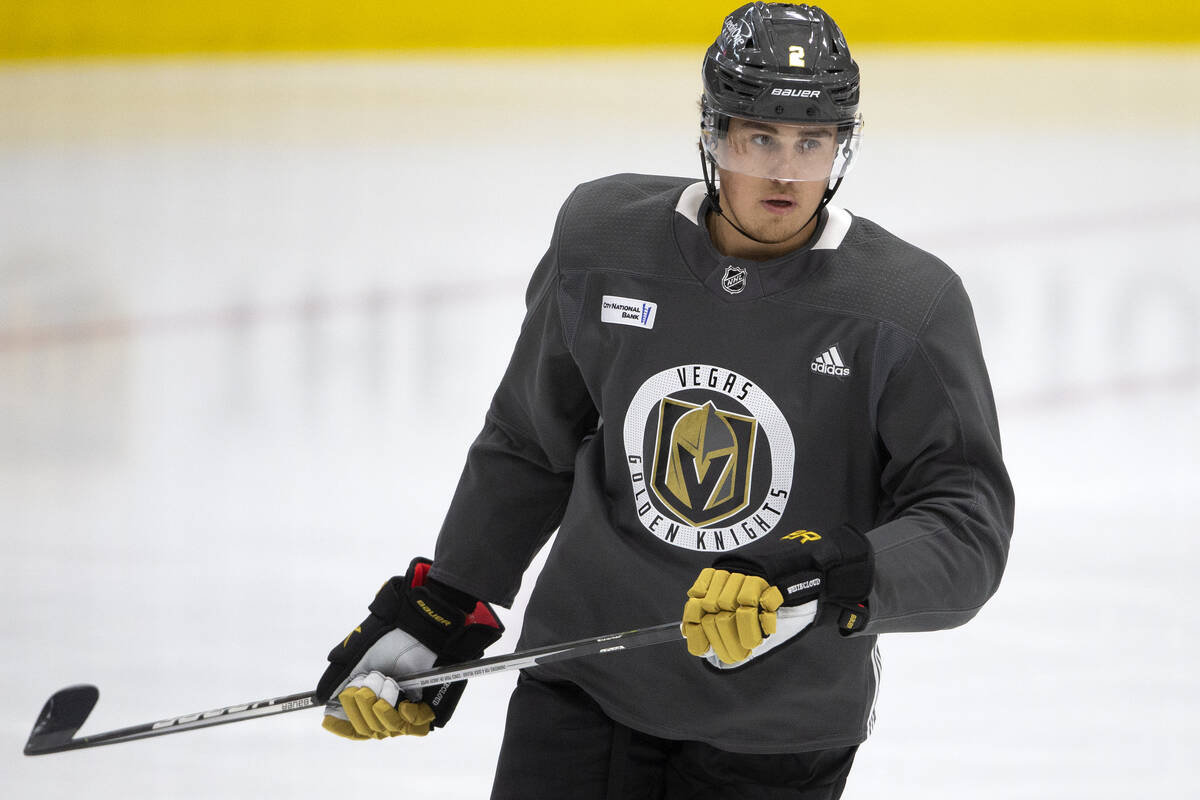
(751,279)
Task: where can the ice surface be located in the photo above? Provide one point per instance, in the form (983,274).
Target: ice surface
(251,314)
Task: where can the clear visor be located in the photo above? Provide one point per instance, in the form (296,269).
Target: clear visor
(782,151)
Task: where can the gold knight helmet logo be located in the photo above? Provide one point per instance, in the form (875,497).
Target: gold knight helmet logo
(702,461)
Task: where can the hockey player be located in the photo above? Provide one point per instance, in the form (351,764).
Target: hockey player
(733,401)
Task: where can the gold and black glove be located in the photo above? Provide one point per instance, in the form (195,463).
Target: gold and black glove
(749,603)
(413,627)
(729,612)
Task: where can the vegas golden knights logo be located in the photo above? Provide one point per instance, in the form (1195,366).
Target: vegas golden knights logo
(710,458)
(702,461)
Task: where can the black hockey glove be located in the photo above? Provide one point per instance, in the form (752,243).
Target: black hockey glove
(412,627)
(749,603)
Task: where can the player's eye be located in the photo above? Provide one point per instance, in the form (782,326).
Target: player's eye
(809,146)
(762,140)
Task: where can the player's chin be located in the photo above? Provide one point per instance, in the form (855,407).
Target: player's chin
(778,231)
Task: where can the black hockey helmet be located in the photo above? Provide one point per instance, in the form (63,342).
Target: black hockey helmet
(781,62)
(787,66)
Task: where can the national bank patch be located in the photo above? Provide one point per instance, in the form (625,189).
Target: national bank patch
(710,458)
(628,311)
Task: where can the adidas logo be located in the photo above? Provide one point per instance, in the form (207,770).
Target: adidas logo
(830,363)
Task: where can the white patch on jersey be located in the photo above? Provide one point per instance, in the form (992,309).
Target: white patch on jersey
(768,481)
(628,311)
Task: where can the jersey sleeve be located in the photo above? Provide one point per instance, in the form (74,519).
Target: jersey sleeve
(948,511)
(519,470)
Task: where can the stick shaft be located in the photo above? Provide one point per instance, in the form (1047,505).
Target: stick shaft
(523,659)
(610,643)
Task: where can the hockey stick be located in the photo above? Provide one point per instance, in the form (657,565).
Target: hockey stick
(67,710)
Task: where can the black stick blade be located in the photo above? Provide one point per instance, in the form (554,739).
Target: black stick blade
(61,717)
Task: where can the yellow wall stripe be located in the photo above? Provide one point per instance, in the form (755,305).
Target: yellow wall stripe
(58,28)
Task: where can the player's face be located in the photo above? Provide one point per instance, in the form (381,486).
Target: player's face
(776,210)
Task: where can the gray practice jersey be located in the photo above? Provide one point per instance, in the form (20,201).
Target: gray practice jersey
(666,404)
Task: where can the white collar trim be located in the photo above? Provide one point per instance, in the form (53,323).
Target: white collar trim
(691,200)
(835,230)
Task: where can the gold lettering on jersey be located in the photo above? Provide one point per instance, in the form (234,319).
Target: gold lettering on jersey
(722,380)
(710,458)
(803,536)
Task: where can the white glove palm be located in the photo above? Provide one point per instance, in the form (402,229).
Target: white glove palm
(366,704)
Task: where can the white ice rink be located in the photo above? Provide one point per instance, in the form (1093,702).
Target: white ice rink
(251,314)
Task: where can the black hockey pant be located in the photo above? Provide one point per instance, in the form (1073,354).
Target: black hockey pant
(559,745)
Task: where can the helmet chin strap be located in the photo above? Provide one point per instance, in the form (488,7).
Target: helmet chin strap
(710,184)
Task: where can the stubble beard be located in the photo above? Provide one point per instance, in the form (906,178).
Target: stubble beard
(773,231)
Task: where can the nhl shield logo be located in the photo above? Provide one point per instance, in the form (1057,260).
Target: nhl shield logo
(734,280)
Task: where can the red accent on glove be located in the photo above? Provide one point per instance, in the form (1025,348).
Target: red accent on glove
(419,573)
(482,615)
